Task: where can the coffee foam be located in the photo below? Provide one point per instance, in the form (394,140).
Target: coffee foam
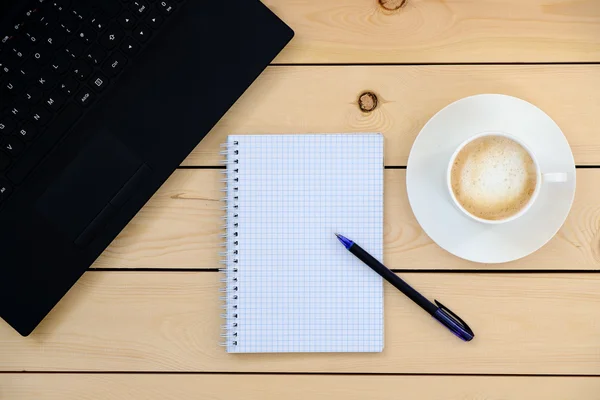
(493,177)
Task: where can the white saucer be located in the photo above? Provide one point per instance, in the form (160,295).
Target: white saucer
(431,202)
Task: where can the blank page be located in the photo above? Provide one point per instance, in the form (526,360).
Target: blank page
(292,287)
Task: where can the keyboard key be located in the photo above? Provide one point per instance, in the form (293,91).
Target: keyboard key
(7,124)
(127,20)
(69,22)
(85,97)
(59,127)
(139,7)
(47,80)
(40,116)
(166,7)
(27,132)
(30,15)
(61,63)
(87,34)
(12,86)
(29,70)
(81,70)
(12,146)
(95,55)
(55,37)
(49,16)
(98,82)
(32,95)
(34,32)
(20,49)
(19,110)
(69,85)
(112,36)
(81,10)
(5,188)
(18,27)
(54,101)
(99,22)
(43,54)
(4,162)
(11,110)
(114,64)
(155,19)
(32,38)
(142,33)
(75,48)
(130,47)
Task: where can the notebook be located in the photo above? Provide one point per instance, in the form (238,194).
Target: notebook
(290,285)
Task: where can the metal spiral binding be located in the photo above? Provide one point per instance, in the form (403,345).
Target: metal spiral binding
(230,257)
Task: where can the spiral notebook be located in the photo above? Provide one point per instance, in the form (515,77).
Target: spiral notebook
(290,285)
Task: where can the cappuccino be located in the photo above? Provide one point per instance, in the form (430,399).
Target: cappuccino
(493,177)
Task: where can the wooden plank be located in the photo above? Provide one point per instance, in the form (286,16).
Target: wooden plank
(180,228)
(424,31)
(324,99)
(169,321)
(292,387)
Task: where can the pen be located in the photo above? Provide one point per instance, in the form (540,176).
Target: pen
(438,311)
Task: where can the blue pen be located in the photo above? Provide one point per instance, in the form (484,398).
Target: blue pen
(438,311)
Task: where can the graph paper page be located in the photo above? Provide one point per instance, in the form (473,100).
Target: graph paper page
(299,289)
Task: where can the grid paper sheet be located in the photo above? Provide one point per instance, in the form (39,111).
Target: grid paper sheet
(299,289)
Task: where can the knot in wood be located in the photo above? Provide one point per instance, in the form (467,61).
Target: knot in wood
(392,5)
(367,101)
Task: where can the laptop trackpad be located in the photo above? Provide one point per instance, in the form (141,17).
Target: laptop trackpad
(80,197)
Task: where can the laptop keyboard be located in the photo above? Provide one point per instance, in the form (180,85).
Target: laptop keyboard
(56,62)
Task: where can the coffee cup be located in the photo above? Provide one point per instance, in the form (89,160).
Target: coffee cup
(494,178)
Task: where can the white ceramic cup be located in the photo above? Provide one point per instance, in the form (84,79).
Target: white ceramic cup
(542,178)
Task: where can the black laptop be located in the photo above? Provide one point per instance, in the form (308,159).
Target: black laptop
(100,101)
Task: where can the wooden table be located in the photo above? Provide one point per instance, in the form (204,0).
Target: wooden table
(143,323)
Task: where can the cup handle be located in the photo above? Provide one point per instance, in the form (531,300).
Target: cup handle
(555,177)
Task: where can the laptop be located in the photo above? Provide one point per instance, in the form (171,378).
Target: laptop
(100,101)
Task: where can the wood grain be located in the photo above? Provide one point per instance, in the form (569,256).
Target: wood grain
(451,31)
(325,99)
(294,387)
(164,321)
(180,228)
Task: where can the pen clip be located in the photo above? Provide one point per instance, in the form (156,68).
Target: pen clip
(456,317)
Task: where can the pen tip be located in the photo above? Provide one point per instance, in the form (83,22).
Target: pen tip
(344,240)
